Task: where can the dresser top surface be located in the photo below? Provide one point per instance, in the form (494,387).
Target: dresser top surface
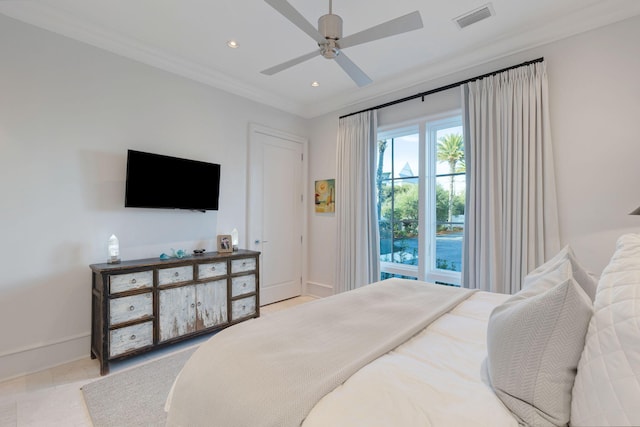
(159,263)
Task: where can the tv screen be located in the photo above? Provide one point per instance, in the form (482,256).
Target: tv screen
(157,181)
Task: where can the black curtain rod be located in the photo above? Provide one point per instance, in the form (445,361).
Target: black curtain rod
(440,89)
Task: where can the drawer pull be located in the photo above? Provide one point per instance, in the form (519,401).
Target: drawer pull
(176,274)
(213,268)
(133,337)
(133,281)
(244,285)
(244,263)
(199,303)
(192,305)
(131,308)
(244,307)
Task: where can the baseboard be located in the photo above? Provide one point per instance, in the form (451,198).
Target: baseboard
(319,290)
(39,357)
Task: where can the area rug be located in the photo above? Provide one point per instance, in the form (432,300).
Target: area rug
(134,397)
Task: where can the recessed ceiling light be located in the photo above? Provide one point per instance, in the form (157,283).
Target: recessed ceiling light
(233,44)
(315,84)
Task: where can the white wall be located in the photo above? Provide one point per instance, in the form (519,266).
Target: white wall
(68,113)
(595,108)
(321,227)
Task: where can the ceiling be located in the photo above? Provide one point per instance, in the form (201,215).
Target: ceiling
(188,38)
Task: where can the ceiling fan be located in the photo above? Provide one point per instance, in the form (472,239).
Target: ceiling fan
(330,41)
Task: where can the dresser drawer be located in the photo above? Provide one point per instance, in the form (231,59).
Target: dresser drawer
(215,269)
(130,338)
(242,265)
(130,281)
(168,276)
(241,285)
(130,308)
(243,307)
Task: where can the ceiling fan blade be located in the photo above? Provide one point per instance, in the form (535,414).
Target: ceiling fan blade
(356,74)
(295,61)
(402,24)
(296,18)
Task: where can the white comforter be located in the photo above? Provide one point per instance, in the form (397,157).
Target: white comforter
(272,371)
(434,379)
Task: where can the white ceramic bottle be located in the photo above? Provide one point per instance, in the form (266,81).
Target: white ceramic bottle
(114,250)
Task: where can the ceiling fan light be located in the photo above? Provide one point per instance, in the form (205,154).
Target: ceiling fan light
(315,84)
(233,44)
(329,49)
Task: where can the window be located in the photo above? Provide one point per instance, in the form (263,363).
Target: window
(420,184)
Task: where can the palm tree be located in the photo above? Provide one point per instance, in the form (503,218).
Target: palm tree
(451,150)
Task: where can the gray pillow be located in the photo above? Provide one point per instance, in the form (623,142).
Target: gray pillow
(534,343)
(587,281)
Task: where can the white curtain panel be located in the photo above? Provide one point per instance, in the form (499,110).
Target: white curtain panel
(358,241)
(511,215)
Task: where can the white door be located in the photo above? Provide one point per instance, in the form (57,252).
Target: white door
(276,211)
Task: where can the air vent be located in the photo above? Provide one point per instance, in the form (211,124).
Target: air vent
(474,16)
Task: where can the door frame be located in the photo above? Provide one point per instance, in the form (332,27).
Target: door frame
(255,128)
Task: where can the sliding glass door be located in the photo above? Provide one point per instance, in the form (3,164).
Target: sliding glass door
(420,185)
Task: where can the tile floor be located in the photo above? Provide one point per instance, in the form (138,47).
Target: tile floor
(53,397)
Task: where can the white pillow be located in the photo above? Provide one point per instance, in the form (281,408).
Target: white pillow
(585,279)
(607,387)
(534,342)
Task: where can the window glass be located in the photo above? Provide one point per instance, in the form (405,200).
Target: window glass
(450,198)
(398,208)
(398,276)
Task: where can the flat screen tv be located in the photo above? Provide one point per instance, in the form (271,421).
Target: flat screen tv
(157,181)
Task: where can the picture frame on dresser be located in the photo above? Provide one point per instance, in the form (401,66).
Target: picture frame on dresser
(225,243)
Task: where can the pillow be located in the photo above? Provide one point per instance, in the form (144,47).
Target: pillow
(534,342)
(607,387)
(585,279)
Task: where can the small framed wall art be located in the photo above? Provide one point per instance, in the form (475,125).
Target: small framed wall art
(224,243)
(325,196)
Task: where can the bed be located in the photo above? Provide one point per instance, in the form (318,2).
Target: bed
(564,350)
